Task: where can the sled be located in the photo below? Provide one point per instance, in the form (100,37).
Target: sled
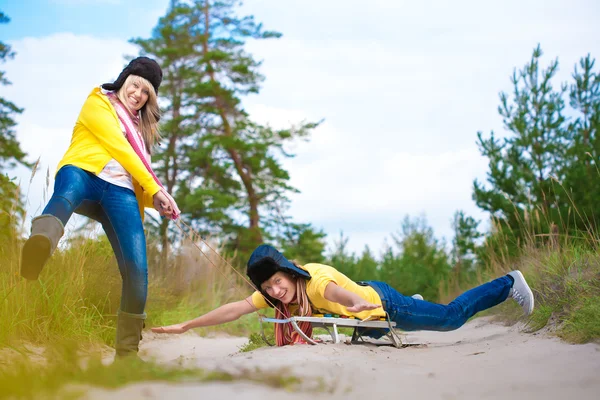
(326,322)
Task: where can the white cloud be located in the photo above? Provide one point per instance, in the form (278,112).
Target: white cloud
(403,88)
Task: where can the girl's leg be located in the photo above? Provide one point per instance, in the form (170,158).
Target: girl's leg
(412,314)
(72,185)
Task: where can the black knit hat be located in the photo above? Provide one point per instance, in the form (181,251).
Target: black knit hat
(142,66)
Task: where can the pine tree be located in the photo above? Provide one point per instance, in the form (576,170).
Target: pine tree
(464,245)
(525,166)
(224,169)
(580,171)
(11,154)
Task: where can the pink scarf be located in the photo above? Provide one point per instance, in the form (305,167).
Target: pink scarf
(285,333)
(138,145)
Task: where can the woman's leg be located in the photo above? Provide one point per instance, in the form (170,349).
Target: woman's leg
(131,316)
(412,314)
(72,185)
(125,231)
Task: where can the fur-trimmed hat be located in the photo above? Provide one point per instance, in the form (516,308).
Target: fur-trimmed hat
(265,261)
(142,66)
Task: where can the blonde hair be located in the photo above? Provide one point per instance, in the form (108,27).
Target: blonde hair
(149,114)
(284,333)
(304,306)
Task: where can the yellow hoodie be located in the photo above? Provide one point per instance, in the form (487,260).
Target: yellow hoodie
(98,138)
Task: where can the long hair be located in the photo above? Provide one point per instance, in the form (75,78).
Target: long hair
(285,333)
(149,114)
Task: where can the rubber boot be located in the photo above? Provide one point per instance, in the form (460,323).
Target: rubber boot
(46,231)
(129,333)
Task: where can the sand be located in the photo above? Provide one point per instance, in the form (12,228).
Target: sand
(481,360)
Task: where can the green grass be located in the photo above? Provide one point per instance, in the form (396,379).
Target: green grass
(583,324)
(256,341)
(566,286)
(77,295)
(565,282)
(23,379)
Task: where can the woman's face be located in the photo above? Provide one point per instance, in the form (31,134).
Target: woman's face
(281,286)
(136,96)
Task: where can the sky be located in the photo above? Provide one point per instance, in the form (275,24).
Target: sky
(403,87)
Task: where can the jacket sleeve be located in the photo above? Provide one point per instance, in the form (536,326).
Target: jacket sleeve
(148,200)
(97,116)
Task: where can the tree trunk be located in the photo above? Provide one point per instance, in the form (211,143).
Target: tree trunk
(245,176)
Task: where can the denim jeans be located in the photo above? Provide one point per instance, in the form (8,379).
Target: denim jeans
(411,314)
(116,208)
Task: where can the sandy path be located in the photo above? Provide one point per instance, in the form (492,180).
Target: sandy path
(482,360)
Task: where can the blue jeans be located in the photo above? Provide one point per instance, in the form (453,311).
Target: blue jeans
(411,314)
(116,208)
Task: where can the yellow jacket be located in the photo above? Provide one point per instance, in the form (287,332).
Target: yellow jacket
(98,138)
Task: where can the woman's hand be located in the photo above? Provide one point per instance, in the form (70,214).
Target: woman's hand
(177,328)
(225,313)
(362,306)
(353,302)
(162,204)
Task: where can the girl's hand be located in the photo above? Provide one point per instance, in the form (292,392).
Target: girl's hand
(362,306)
(177,328)
(162,204)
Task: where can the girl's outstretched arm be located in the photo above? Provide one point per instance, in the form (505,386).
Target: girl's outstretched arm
(225,313)
(353,302)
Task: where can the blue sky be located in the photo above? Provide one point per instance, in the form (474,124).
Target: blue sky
(403,87)
(99,18)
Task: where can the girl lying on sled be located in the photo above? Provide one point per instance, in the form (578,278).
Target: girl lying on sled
(303,290)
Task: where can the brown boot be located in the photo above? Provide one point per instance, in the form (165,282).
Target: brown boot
(46,231)
(129,333)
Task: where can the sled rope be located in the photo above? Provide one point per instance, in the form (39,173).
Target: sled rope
(195,235)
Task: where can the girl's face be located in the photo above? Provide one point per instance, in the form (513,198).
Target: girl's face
(281,286)
(136,96)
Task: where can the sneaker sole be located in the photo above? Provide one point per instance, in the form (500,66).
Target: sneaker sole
(36,252)
(529,292)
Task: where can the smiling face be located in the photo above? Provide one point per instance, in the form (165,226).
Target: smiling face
(134,93)
(281,286)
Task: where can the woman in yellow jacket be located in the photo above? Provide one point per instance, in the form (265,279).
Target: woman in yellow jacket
(105,175)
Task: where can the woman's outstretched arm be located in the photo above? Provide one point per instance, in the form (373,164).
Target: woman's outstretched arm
(225,313)
(353,302)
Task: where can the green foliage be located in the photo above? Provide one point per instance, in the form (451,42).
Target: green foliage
(542,176)
(421,262)
(363,268)
(301,242)
(11,154)
(418,263)
(465,246)
(580,168)
(224,170)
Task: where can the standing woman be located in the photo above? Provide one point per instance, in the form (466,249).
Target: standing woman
(106,175)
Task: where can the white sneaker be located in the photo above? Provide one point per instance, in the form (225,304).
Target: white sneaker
(417,296)
(521,292)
